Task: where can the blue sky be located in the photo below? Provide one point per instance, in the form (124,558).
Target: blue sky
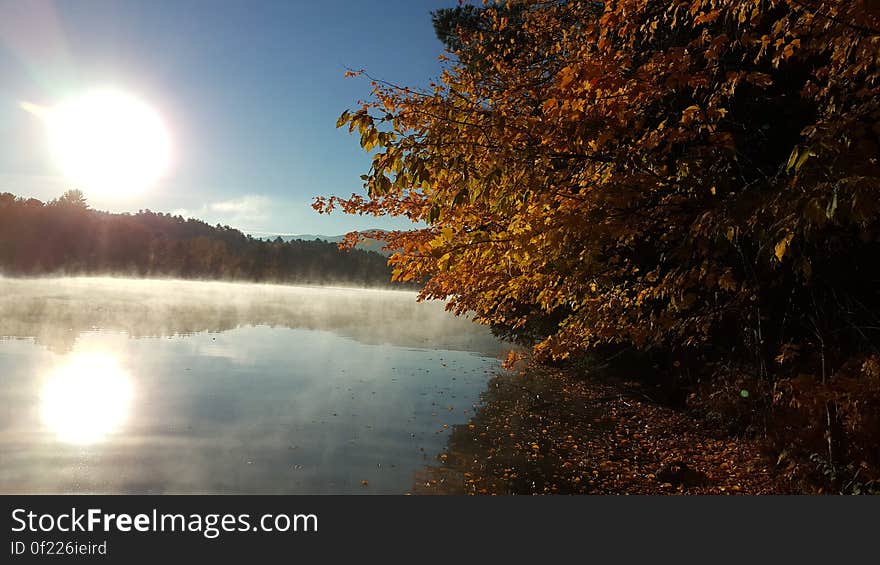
(250,92)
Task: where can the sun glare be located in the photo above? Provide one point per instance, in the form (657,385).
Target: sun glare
(86,399)
(107,142)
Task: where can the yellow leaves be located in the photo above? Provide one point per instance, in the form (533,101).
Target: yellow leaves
(400,274)
(792,159)
(443,238)
(797,159)
(871,368)
(513,357)
(370,139)
(443,262)
(784,50)
(579,105)
(782,246)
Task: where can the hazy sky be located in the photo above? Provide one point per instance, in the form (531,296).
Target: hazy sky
(250,91)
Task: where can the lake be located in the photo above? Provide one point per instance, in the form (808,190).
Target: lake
(152,386)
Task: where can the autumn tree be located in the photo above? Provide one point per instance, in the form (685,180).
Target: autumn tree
(698,178)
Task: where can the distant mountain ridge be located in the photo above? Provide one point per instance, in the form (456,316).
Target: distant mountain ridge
(368,245)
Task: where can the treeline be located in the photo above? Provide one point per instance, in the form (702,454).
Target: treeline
(694,183)
(65,236)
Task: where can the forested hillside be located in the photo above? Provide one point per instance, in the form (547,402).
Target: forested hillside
(65,236)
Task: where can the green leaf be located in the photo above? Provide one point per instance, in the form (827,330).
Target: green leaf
(832,206)
(792,159)
(433,214)
(801,160)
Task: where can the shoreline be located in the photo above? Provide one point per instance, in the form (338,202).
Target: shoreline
(549,431)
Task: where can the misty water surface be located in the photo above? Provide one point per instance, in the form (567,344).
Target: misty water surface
(133,386)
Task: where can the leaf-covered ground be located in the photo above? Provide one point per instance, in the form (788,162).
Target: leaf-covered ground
(544,431)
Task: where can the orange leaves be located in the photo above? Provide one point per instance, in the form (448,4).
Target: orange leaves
(791,48)
(690,114)
(708,17)
(575,171)
(728,281)
(566,76)
(781,246)
(587,437)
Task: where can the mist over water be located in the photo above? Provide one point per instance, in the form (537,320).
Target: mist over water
(144,386)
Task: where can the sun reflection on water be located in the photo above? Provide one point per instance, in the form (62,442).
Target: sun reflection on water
(86,398)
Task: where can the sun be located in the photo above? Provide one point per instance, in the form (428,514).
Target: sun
(107,142)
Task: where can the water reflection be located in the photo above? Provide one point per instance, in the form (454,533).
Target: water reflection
(128,386)
(86,398)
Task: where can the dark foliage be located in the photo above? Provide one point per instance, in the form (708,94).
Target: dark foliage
(66,237)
